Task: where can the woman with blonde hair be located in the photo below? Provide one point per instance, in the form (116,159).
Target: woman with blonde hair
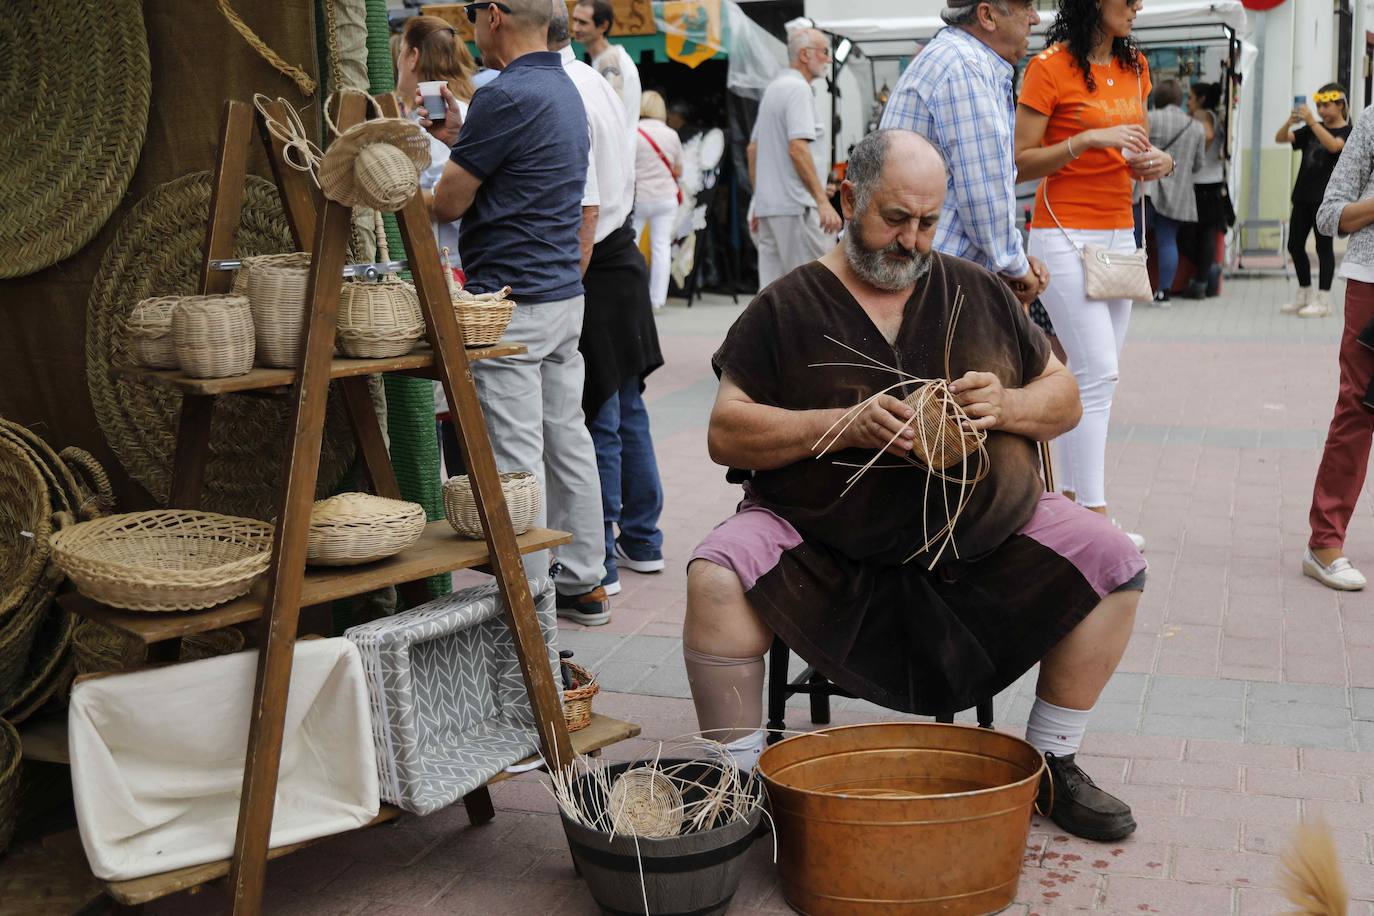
(658,165)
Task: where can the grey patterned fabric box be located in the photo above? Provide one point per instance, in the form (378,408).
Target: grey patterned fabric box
(449,708)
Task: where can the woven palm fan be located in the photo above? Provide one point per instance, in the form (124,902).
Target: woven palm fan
(375,164)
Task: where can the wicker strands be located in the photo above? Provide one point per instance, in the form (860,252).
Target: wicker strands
(101,648)
(73,128)
(10,754)
(644,802)
(148,329)
(577,700)
(941,440)
(523,501)
(354,528)
(375,164)
(165,560)
(213,336)
(484,317)
(276,290)
(158,251)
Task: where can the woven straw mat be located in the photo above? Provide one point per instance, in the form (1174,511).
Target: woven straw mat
(157,251)
(72,134)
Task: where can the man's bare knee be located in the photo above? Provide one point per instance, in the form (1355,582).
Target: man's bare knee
(719,619)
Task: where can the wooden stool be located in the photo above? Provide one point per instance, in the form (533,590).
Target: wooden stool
(815,685)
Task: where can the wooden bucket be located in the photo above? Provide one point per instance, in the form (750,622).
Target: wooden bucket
(697,873)
(901,818)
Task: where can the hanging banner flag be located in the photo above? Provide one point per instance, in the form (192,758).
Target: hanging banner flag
(692,30)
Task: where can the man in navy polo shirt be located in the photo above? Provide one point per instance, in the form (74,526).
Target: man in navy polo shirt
(518,178)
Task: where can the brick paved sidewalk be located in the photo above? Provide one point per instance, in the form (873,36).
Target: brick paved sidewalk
(1246,700)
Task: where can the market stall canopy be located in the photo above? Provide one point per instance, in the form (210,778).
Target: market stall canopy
(1190,21)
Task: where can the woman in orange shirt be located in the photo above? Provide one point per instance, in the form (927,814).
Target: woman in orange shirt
(1081,125)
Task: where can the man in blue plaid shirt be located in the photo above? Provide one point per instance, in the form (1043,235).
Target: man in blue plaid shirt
(958,94)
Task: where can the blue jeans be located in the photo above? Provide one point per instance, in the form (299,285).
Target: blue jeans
(631,492)
(1166,245)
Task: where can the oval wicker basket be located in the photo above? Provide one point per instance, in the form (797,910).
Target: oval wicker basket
(102,648)
(354,528)
(10,754)
(577,700)
(164,560)
(148,329)
(213,336)
(483,317)
(276,285)
(378,320)
(523,502)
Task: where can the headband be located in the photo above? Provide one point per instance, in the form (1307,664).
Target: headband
(1333,95)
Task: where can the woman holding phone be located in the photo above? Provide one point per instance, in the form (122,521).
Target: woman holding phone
(1320,140)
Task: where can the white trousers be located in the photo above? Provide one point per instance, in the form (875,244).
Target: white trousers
(1093,332)
(787,242)
(659,216)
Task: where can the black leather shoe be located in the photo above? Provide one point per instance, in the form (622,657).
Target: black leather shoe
(1196,290)
(1078,806)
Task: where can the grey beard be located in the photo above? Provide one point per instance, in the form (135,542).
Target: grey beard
(878,270)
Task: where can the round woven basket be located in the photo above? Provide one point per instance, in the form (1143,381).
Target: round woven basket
(644,802)
(73,128)
(148,328)
(577,700)
(164,560)
(25,526)
(51,663)
(378,320)
(941,440)
(213,336)
(483,317)
(101,648)
(10,754)
(523,501)
(277,285)
(354,528)
(158,251)
(354,173)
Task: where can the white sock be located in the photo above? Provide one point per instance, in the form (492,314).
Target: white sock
(1056,730)
(746,750)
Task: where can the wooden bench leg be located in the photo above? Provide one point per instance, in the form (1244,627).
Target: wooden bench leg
(777,690)
(479,807)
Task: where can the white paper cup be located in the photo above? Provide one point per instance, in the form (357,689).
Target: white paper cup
(433,100)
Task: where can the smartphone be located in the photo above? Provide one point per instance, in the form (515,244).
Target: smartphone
(1299,101)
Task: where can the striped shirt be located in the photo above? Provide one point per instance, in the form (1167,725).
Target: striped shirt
(958,94)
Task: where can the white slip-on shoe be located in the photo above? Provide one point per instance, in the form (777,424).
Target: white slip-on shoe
(1137,539)
(1318,306)
(1340,575)
(1299,301)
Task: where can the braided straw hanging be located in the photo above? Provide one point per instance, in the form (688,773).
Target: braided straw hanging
(157,251)
(73,128)
(297,75)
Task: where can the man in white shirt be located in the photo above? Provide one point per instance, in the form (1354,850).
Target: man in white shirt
(591,23)
(792,216)
(619,342)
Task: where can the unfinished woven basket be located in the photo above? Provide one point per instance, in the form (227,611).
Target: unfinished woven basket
(148,329)
(523,501)
(354,528)
(941,440)
(164,560)
(483,317)
(213,336)
(11,753)
(644,802)
(98,647)
(276,286)
(577,700)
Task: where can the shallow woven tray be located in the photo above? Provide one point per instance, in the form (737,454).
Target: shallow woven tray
(74,96)
(354,528)
(165,560)
(158,251)
(523,501)
(101,648)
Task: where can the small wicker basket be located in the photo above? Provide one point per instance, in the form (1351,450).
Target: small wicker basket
(213,336)
(148,330)
(276,291)
(102,648)
(11,753)
(523,502)
(164,560)
(577,700)
(484,317)
(377,320)
(941,441)
(354,528)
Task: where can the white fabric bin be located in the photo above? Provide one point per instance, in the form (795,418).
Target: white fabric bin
(158,757)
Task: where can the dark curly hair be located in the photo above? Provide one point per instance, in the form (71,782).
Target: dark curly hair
(1076,26)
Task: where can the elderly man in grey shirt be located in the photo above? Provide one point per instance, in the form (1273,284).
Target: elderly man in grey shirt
(1172,199)
(792,217)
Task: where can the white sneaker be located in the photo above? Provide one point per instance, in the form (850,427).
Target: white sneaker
(1340,575)
(1299,301)
(1137,539)
(1317,306)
